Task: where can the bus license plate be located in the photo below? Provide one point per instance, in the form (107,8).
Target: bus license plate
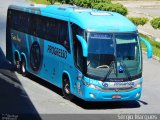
(116,96)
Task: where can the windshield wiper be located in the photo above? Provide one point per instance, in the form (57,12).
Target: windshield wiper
(111,67)
(125,69)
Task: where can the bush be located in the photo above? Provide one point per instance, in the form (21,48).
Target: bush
(83,3)
(102,5)
(51,1)
(111,7)
(155,22)
(95,4)
(139,20)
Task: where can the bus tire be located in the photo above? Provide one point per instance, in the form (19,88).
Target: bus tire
(18,66)
(17,63)
(66,89)
(23,68)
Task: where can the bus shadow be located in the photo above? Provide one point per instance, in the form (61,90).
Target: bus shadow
(106,105)
(14,101)
(4,63)
(45,84)
(85,104)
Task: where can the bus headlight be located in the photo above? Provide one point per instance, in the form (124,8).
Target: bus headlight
(138,85)
(90,85)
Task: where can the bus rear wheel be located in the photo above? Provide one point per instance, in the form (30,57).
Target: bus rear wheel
(17,63)
(18,66)
(23,68)
(66,90)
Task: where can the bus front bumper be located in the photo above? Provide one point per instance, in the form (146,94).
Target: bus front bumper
(91,94)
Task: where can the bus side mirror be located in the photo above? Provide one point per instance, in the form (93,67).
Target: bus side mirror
(84,45)
(148,45)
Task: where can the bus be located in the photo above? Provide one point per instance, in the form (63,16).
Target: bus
(91,54)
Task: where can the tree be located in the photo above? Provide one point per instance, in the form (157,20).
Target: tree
(52,1)
(155,22)
(139,20)
(61,1)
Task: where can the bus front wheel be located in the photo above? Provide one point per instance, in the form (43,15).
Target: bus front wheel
(66,89)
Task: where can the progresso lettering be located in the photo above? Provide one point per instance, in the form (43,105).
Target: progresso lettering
(56,51)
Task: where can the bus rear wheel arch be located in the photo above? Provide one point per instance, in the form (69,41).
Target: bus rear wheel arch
(66,88)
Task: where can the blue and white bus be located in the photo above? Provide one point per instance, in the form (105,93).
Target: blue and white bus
(94,55)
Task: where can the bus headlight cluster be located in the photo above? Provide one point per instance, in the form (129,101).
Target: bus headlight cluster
(90,85)
(138,85)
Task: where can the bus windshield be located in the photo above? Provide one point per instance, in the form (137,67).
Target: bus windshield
(113,55)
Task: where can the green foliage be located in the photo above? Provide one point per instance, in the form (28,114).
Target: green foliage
(41,1)
(60,1)
(88,3)
(155,45)
(51,1)
(119,8)
(155,22)
(83,3)
(102,5)
(95,4)
(139,20)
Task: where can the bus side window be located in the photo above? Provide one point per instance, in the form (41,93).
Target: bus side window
(24,22)
(15,20)
(63,35)
(19,20)
(52,30)
(32,25)
(41,27)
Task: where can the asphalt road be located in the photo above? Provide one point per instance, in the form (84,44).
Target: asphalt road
(32,95)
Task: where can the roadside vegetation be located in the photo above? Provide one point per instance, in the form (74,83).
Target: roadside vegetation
(95,4)
(139,20)
(155,22)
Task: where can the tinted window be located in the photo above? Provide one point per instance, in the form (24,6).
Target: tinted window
(19,20)
(52,30)
(63,34)
(33,25)
(41,27)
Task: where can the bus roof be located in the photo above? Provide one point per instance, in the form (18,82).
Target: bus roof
(89,19)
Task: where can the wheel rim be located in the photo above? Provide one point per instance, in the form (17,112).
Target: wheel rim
(67,88)
(17,64)
(23,68)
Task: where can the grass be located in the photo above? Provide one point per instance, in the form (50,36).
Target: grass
(155,46)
